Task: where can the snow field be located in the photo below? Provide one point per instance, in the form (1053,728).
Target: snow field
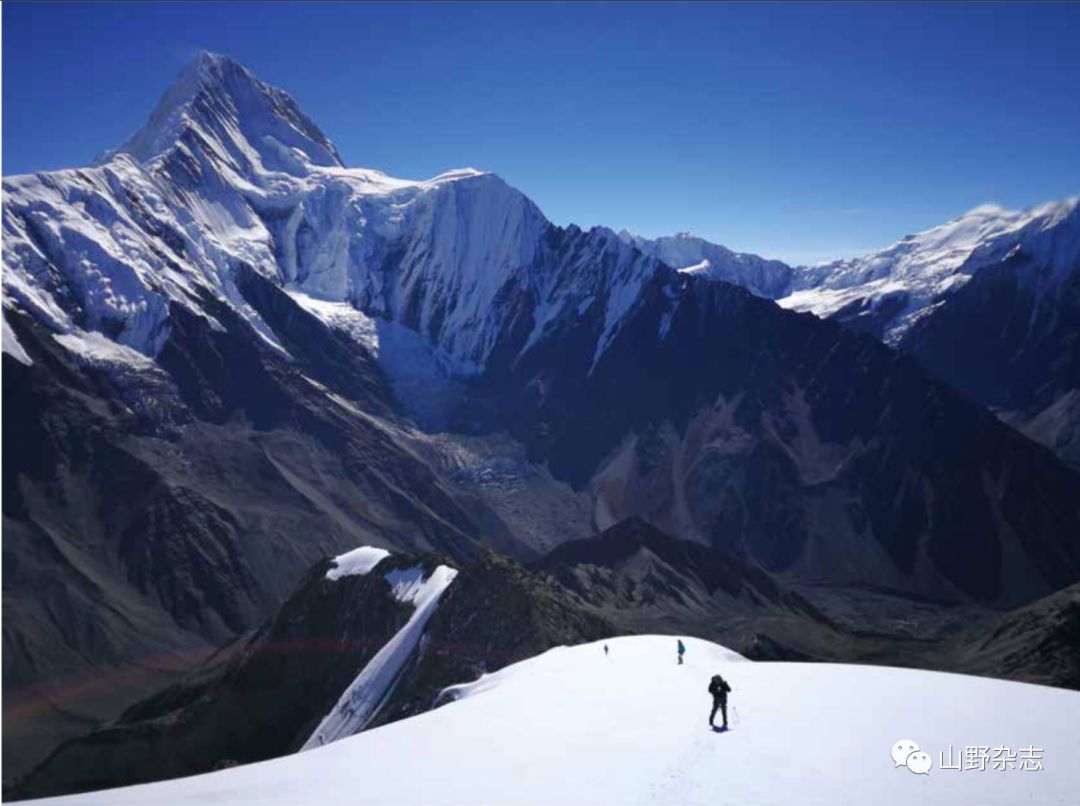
(572,726)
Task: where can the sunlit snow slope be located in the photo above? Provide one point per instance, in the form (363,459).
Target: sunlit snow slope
(574,726)
(902,283)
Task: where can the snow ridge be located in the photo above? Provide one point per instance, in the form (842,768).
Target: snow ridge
(361,700)
(917,271)
(232,112)
(230,173)
(692,255)
(906,280)
(576,725)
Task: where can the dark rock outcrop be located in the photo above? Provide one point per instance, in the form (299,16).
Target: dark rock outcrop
(265,694)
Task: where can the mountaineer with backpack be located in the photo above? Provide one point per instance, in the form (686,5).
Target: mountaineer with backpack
(719,689)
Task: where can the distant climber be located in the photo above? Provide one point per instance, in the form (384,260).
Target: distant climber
(719,689)
(682,650)
(605,649)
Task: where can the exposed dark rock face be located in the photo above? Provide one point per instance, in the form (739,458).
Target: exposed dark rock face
(496,613)
(804,447)
(633,565)
(166,511)
(646,581)
(264,695)
(1010,338)
(1039,643)
(987,301)
(762,647)
(258,698)
(871,316)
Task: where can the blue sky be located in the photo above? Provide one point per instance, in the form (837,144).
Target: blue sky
(797,131)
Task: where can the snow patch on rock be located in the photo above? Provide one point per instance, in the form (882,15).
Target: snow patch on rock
(361,700)
(96,349)
(11,343)
(359,561)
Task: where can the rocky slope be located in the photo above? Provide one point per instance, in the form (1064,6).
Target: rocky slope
(799,445)
(269,694)
(134,527)
(1039,643)
(986,301)
(646,581)
(1010,337)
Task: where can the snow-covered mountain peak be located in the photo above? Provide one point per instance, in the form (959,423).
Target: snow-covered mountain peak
(220,108)
(463,173)
(989,210)
(692,254)
(208,66)
(948,246)
(240,179)
(887,291)
(930,254)
(900,283)
(229,173)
